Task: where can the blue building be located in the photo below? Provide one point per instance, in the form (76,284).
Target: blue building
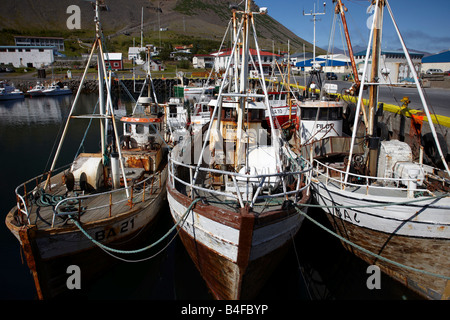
(437,61)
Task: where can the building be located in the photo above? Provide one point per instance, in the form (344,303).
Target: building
(267,59)
(437,61)
(56,42)
(114,60)
(155,65)
(134,53)
(27,56)
(203,61)
(393,66)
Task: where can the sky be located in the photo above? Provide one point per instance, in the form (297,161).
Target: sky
(424,25)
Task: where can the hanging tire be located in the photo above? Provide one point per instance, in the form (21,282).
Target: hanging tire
(430,147)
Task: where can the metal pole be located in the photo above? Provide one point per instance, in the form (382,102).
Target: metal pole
(419,88)
(358,105)
(58,150)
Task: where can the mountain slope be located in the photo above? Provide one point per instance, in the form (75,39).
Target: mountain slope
(206,19)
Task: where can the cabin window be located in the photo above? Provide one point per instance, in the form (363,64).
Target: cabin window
(172,111)
(324,114)
(139,128)
(229,114)
(152,128)
(335,113)
(127,128)
(256,114)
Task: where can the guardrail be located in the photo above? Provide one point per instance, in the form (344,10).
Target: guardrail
(64,206)
(367,182)
(262,181)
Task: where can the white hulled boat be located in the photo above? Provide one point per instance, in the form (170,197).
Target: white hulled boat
(55,90)
(8,92)
(237,191)
(390,209)
(101,201)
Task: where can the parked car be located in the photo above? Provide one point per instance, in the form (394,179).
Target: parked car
(435,71)
(331,76)
(447,73)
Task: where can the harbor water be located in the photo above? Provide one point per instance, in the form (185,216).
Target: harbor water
(315,268)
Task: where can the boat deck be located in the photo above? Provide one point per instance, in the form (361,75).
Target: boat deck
(215,193)
(88,207)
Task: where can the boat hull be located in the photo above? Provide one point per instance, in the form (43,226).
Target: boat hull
(11,96)
(57,93)
(410,235)
(235,252)
(49,252)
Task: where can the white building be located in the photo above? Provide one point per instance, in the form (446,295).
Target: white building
(221,59)
(134,53)
(393,66)
(27,56)
(203,61)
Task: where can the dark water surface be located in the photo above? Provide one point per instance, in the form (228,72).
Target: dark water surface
(316,267)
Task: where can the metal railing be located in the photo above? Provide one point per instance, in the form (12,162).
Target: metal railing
(76,205)
(334,175)
(244,182)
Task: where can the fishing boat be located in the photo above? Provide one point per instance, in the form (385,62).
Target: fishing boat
(37,90)
(284,112)
(55,90)
(236,194)
(101,201)
(8,92)
(387,206)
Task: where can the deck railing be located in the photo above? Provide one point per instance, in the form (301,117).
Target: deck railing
(370,183)
(77,205)
(242,183)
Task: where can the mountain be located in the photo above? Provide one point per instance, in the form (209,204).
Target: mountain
(204,19)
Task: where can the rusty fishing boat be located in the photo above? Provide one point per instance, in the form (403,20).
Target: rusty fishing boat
(101,200)
(388,205)
(237,192)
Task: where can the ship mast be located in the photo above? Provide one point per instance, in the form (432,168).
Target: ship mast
(106,109)
(373,87)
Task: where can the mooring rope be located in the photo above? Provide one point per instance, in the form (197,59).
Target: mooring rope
(104,247)
(367,251)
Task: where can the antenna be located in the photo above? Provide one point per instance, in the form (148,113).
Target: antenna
(314,14)
(142,26)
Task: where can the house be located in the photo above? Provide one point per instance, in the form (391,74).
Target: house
(393,66)
(267,58)
(203,61)
(437,61)
(134,53)
(27,56)
(114,60)
(56,42)
(154,66)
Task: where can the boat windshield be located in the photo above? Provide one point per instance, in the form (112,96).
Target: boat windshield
(328,113)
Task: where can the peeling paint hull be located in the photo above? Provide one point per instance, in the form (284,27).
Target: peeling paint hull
(235,252)
(414,235)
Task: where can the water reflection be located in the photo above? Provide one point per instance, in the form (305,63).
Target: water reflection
(39,110)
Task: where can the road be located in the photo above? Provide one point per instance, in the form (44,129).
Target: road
(438,99)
